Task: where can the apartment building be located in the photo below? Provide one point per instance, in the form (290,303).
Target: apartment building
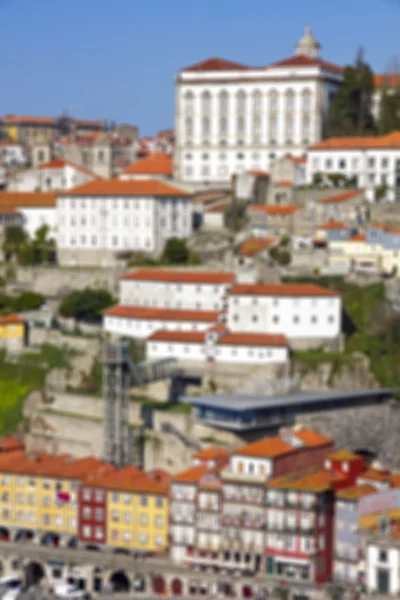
(369,162)
(279,219)
(126,508)
(55,175)
(32,130)
(12,333)
(102,220)
(231,532)
(156,165)
(34,209)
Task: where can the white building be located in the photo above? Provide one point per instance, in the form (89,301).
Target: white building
(174,289)
(232,118)
(12,153)
(297,311)
(103,219)
(383,566)
(57,174)
(36,208)
(369,161)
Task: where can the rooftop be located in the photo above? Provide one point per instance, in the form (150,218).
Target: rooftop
(131,479)
(186,337)
(28,199)
(342,197)
(315,480)
(176,276)
(277,209)
(60,163)
(254,246)
(355,492)
(332,225)
(344,455)
(121,187)
(211,453)
(384,142)
(160,314)
(283,444)
(252,339)
(281,289)
(156,163)
(11,320)
(192,475)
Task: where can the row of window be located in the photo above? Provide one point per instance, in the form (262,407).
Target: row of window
(145,500)
(98,533)
(31,517)
(224,129)
(241,100)
(121,203)
(296,320)
(353,163)
(116,241)
(233,352)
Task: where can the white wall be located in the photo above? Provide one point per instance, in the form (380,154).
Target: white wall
(12,155)
(179,350)
(129,223)
(173,295)
(38,216)
(63,178)
(374,564)
(200,162)
(142,328)
(295,317)
(250,466)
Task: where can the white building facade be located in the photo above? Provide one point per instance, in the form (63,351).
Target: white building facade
(370,162)
(60,174)
(37,209)
(102,219)
(232,118)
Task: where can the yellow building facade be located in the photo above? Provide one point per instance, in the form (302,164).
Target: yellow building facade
(12,332)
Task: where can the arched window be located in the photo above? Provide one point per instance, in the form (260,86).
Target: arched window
(100,156)
(206,103)
(206,126)
(257,99)
(223,126)
(189,127)
(289,100)
(240,126)
(256,128)
(189,101)
(273,101)
(241,101)
(223,102)
(306,100)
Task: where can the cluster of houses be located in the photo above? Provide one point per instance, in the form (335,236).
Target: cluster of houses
(290,507)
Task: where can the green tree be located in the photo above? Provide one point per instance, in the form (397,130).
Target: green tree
(175,252)
(27,301)
(350,110)
(86,305)
(389,115)
(15,237)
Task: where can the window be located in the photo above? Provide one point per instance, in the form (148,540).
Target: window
(289,100)
(143,538)
(99,533)
(158,522)
(127,499)
(87,494)
(275,319)
(144,519)
(306,100)
(354,163)
(241,101)
(21,481)
(328,163)
(385,163)
(159,502)
(158,540)
(188,102)
(87,531)
(127,536)
(342,164)
(254,318)
(46,501)
(273,101)
(383,556)
(206,103)
(223,126)
(115,497)
(314,319)
(206,126)
(99,514)
(296,319)
(127,517)
(87,512)
(189,128)
(223,102)
(371,162)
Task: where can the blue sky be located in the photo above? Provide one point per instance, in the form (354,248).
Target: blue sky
(117,58)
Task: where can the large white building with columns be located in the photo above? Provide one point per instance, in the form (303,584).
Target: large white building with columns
(231,117)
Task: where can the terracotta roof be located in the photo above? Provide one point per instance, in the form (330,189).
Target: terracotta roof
(254,246)
(301,60)
(28,199)
(9,210)
(355,492)
(276,446)
(217,208)
(346,455)
(284,183)
(280,289)
(156,163)
(186,337)
(10,320)
(192,475)
(120,187)
(390,80)
(60,163)
(45,465)
(25,120)
(372,521)
(160,314)
(259,173)
(298,160)
(204,197)
(390,140)
(8,444)
(359,237)
(377,226)
(275,209)
(211,453)
(216,64)
(332,225)
(131,479)
(175,276)
(252,339)
(342,197)
(376,475)
(314,480)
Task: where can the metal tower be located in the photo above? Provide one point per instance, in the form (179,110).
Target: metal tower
(116,383)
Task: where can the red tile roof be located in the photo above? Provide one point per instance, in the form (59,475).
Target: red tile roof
(298,160)
(332,225)
(25,120)
(388,141)
(60,163)
(277,446)
(11,320)
(254,246)
(156,163)
(344,455)
(376,475)
(359,237)
(176,276)
(192,475)
(252,339)
(355,492)
(314,480)
(217,208)
(259,173)
(28,199)
(216,64)
(283,183)
(280,289)
(9,210)
(9,444)
(275,209)
(205,197)
(120,187)
(301,60)
(390,80)
(211,453)
(186,337)
(342,197)
(160,314)
(131,479)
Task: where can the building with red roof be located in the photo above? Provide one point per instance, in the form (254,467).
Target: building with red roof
(212,144)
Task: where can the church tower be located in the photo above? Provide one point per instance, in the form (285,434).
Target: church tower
(308,45)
